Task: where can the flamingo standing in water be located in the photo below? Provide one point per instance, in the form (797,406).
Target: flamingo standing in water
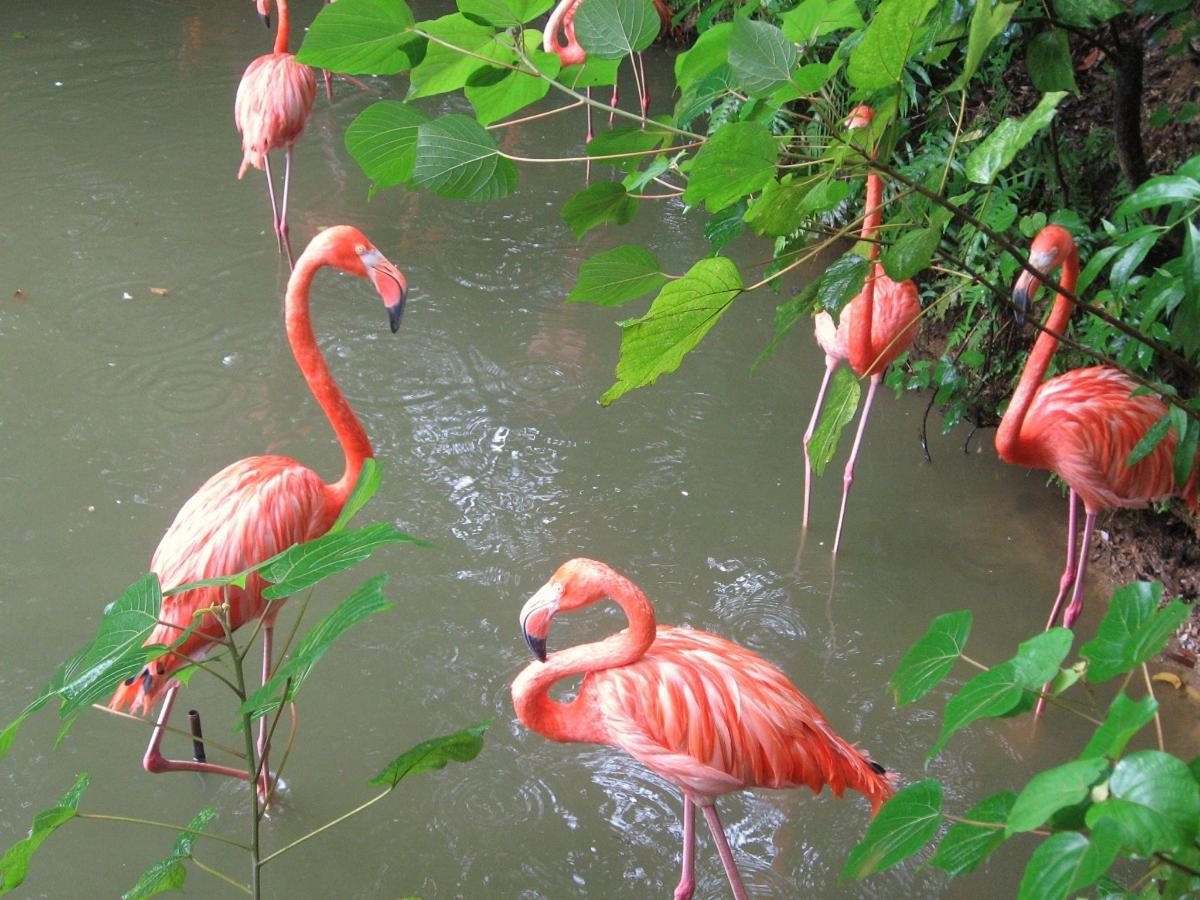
(274,100)
(876,327)
(699,711)
(1082,425)
(257,507)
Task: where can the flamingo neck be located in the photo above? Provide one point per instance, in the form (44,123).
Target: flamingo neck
(1008,435)
(562,24)
(350,434)
(863,305)
(576,720)
(281,37)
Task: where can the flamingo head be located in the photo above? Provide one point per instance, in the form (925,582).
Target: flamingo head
(264,11)
(860,117)
(1052,247)
(576,584)
(347,248)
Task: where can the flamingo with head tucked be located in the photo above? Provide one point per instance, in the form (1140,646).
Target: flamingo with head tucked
(699,711)
(1082,425)
(873,330)
(274,100)
(256,507)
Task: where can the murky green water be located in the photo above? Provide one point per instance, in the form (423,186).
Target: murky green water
(119,156)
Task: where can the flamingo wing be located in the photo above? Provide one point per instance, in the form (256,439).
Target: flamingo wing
(894,322)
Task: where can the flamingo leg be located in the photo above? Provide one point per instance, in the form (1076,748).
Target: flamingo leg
(264,784)
(274,207)
(591,133)
(848,476)
(1076,607)
(731,870)
(687,877)
(1067,580)
(155,762)
(614,100)
(643,89)
(830,365)
(283,226)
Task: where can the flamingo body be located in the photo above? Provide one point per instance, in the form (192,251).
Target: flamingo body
(274,100)
(893,327)
(703,713)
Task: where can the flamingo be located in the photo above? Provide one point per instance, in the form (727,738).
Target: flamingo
(873,330)
(256,507)
(699,711)
(274,100)
(1082,425)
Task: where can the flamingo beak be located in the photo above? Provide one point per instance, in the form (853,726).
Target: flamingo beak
(390,283)
(536,616)
(1027,284)
(264,11)
(266,18)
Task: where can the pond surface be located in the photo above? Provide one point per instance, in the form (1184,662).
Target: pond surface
(117,400)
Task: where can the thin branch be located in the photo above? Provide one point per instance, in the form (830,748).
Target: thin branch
(342,818)
(165,825)
(207,741)
(534,117)
(600,157)
(218,874)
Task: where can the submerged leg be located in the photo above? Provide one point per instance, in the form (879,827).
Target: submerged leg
(274,207)
(155,762)
(731,871)
(830,365)
(1076,607)
(687,877)
(848,476)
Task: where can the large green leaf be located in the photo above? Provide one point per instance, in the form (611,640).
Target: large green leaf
(987,22)
(786,316)
(1162,783)
(362,37)
(462,746)
(735,162)
(782,206)
(1144,831)
(902,827)
(966,845)
(503,13)
(611,29)
(602,202)
(365,487)
(912,253)
(1125,719)
(630,140)
(1000,147)
(1037,659)
(991,693)
(1162,190)
(383,141)
(1132,630)
(889,40)
(1067,862)
(840,403)
(709,53)
(1087,13)
(816,18)
(366,601)
(1048,59)
(461,46)
(682,313)
(761,57)
(169,873)
(842,282)
(616,276)
(1185,451)
(306,564)
(514,90)
(1052,790)
(14,865)
(932,657)
(457,158)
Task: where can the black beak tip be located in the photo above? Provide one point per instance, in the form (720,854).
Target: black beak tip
(266,19)
(1020,301)
(394,315)
(537,646)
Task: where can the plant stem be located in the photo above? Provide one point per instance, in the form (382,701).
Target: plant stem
(972,662)
(343,817)
(99,817)
(218,874)
(1177,865)
(997,826)
(207,741)
(1157,718)
(534,116)
(632,154)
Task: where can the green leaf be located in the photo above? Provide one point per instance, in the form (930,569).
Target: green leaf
(1162,190)
(912,253)
(306,564)
(1000,147)
(362,37)
(842,282)
(761,57)
(1129,258)
(611,29)
(965,845)
(1087,13)
(1037,659)
(504,13)
(1151,439)
(14,865)
(630,140)
(604,201)
(616,276)
(366,601)
(462,746)
(782,207)
(593,72)
(735,162)
(457,158)
(932,657)
(1068,861)
(1125,719)
(902,827)
(514,90)
(383,141)
(1161,782)
(709,53)
(890,39)
(989,694)
(1132,630)
(987,22)
(840,404)
(1185,452)
(1191,271)
(1052,790)
(1143,830)
(786,316)
(725,226)
(816,18)
(679,318)
(169,873)
(448,68)
(1048,59)
(365,487)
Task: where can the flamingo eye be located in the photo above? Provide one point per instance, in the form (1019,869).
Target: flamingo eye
(360,249)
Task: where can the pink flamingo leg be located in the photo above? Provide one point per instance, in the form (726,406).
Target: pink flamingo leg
(848,476)
(155,762)
(591,133)
(274,207)
(613,101)
(1069,578)
(687,877)
(283,226)
(1076,607)
(830,365)
(731,870)
(643,88)
(264,784)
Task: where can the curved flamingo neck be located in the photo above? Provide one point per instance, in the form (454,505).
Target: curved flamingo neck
(562,24)
(576,719)
(349,430)
(281,37)
(863,305)
(1008,435)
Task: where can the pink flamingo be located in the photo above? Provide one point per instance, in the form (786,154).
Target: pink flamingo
(705,714)
(274,100)
(256,507)
(876,327)
(1082,425)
